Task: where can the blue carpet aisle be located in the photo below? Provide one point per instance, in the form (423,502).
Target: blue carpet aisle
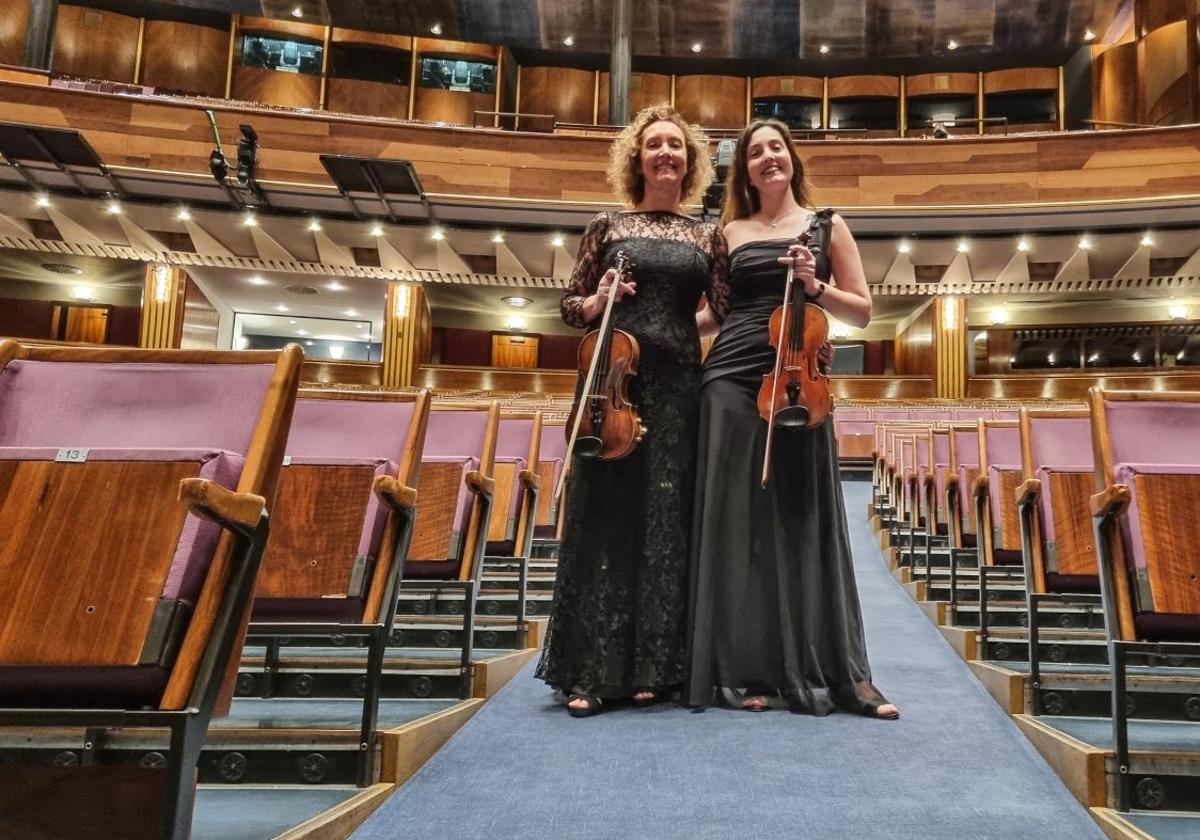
(952,767)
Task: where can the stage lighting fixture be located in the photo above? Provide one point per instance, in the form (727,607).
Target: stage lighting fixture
(247,156)
(218,166)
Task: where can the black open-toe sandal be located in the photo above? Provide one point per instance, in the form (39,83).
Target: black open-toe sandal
(871,710)
(654,696)
(592,705)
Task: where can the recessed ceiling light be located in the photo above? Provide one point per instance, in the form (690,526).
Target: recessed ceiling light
(1084,243)
(963,246)
(308,344)
(249,220)
(184,215)
(516,300)
(256,280)
(279,307)
(497,238)
(823,49)
(696,47)
(113,208)
(1147,241)
(904,246)
(438,235)
(1024,245)
(1089,35)
(377,230)
(43,200)
(569,41)
(436,29)
(314,224)
(297,12)
(952,44)
(557,241)
(335,286)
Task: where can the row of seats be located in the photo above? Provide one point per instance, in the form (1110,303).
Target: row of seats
(159,506)
(1086,505)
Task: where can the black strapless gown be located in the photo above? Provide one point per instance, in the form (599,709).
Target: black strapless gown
(620,601)
(775,608)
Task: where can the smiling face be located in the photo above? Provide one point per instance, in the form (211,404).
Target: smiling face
(663,154)
(768,160)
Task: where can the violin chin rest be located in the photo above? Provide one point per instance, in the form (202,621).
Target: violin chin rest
(589,447)
(792,417)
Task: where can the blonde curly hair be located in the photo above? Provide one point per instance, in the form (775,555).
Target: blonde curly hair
(625,164)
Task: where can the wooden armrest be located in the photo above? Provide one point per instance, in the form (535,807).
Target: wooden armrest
(951,481)
(1111,501)
(530,479)
(208,499)
(927,478)
(396,495)
(980,486)
(1028,491)
(480,484)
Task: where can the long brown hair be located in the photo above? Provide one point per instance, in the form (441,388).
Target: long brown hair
(625,162)
(741,198)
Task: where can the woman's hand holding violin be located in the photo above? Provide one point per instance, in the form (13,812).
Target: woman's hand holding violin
(593,304)
(804,268)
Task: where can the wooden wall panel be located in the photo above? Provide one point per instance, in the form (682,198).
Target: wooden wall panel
(1156,13)
(185,57)
(496,379)
(1114,89)
(1074,166)
(454,107)
(323,372)
(712,101)
(515,351)
(808,87)
(1166,63)
(941,84)
(645,89)
(198,330)
(847,86)
(24,75)
(1020,79)
(1074,386)
(458,49)
(881,387)
(565,92)
(94,44)
(376,99)
(14,22)
(271,87)
(915,354)
(375,39)
(310,31)
(22,318)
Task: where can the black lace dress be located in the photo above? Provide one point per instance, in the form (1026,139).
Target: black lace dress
(620,599)
(775,606)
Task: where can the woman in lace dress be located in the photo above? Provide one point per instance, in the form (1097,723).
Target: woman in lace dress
(617,626)
(775,613)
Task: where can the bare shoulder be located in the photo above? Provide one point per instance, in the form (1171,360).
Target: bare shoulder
(737,233)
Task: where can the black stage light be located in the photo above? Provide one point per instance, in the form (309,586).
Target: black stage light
(218,166)
(247,156)
(714,196)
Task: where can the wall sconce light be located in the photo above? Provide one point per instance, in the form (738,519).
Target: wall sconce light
(839,330)
(336,351)
(162,283)
(514,324)
(949,313)
(86,293)
(999,316)
(1177,312)
(403,299)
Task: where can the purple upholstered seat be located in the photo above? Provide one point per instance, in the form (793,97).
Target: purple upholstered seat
(1003,447)
(108,405)
(1153,437)
(940,466)
(889,413)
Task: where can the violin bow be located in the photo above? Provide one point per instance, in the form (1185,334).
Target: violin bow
(779,351)
(621,266)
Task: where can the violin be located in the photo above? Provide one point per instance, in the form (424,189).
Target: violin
(795,393)
(604,422)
